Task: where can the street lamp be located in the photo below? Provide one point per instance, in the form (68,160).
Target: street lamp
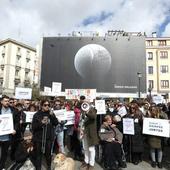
(150,95)
(139,74)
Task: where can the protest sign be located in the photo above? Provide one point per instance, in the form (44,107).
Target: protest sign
(156,127)
(128,126)
(100,106)
(29,116)
(70,117)
(6,124)
(56,88)
(23,93)
(90,94)
(60,114)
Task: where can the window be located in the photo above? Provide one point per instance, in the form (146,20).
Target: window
(151,84)
(162,42)
(26,74)
(164,84)
(150,56)
(163,54)
(150,69)
(149,43)
(17,73)
(164,69)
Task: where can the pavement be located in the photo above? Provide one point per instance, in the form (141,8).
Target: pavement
(144,165)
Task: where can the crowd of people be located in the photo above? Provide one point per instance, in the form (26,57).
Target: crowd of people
(47,135)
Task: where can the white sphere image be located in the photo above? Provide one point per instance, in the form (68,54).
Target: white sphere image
(92,60)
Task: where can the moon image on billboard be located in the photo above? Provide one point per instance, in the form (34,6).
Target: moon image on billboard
(93,60)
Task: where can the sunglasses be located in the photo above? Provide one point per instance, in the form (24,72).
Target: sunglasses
(45,105)
(132,107)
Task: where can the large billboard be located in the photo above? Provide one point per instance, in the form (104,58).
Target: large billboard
(107,64)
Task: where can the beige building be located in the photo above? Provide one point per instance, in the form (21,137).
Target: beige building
(158,65)
(18,66)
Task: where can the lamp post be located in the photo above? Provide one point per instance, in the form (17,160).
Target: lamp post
(150,95)
(139,74)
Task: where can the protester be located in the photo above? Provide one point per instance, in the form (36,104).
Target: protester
(6,139)
(155,142)
(43,125)
(90,138)
(135,142)
(111,139)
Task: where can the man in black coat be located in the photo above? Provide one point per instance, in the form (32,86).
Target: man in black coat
(43,125)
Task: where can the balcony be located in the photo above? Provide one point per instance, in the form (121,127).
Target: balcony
(27,67)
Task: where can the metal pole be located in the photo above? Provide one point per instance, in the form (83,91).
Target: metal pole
(139,88)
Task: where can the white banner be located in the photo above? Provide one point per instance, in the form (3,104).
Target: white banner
(23,93)
(6,124)
(156,127)
(60,114)
(128,126)
(56,88)
(70,117)
(65,115)
(100,106)
(29,116)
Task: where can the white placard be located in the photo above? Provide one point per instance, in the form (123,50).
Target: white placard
(65,115)
(157,99)
(70,117)
(56,88)
(23,93)
(60,114)
(6,124)
(100,106)
(156,127)
(29,116)
(47,89)
(128,126)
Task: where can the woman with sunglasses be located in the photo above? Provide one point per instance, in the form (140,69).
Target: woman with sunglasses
(43,125)
(135,142)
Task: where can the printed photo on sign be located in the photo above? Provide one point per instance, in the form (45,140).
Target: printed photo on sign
(128,126)
(156,127)
(6,124)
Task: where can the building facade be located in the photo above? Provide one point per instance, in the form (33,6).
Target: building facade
(18,66)
(158,65)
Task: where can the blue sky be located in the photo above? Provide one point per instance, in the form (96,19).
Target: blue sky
(28,21)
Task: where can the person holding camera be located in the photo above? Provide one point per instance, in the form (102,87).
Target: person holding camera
(43,125)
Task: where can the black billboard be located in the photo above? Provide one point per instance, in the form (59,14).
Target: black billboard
(108,64)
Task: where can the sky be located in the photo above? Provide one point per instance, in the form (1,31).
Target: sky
(28,21)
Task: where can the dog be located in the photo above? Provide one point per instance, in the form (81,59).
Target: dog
(61,162)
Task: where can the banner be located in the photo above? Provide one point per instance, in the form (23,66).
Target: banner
(23,93)
(128,126)
(65,115)
(6,124)
(60,114)
(100,106)
(90,94)
(29,116)
(56,88)
(156,127)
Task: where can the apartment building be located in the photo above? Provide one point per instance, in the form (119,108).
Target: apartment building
(18,66)
(158,65)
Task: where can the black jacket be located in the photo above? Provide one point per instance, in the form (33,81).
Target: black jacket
(37,126)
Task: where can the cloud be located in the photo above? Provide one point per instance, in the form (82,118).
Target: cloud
(29,20)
